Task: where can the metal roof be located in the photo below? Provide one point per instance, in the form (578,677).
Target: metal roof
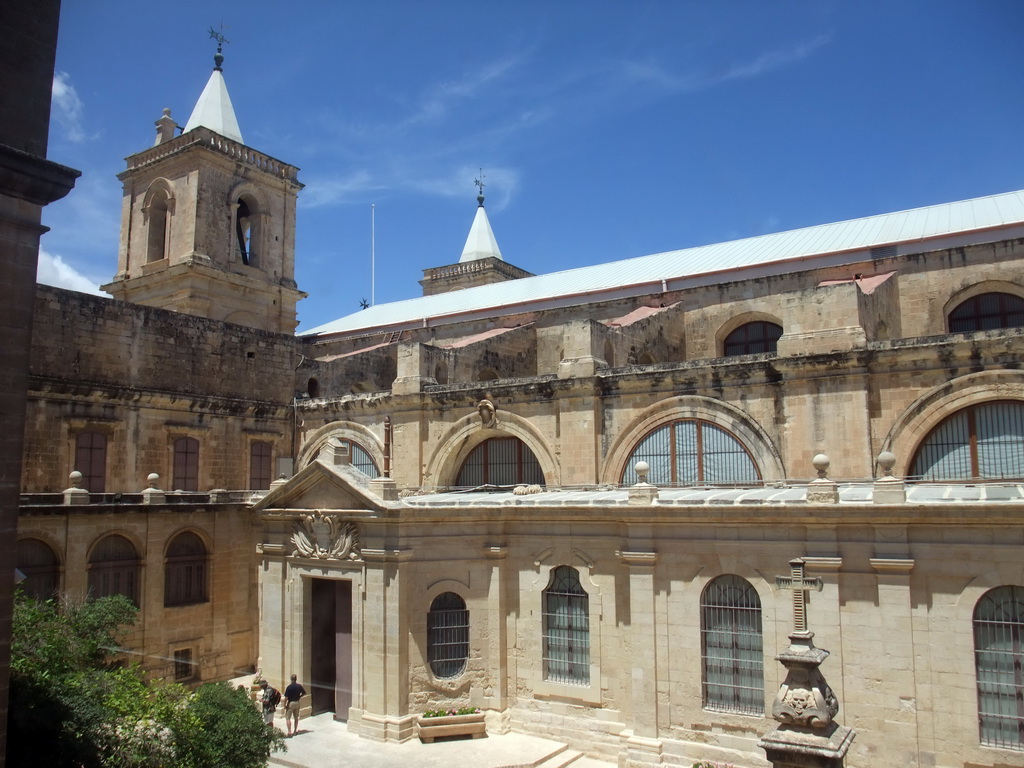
(948,225)
(849,493)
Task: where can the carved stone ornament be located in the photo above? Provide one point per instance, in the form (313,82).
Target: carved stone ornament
(804,699)
(488,414)
(325,537)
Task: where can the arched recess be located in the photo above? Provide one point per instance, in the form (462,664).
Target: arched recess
(934,406)
(158,212)
(40,563)
(345,430)
(972,291)
(720,413)
(443,466)
(744,318)
(250,216)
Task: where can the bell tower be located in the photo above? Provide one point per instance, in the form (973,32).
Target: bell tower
(207,223)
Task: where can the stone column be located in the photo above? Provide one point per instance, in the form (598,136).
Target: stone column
(28,182)
(385,653)
(643,747)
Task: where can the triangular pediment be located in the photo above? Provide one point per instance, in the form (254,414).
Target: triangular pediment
(321,485)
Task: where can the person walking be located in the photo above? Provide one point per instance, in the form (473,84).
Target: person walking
(292,694)
(270,698)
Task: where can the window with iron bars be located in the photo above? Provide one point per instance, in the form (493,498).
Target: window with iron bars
(566,616)
(732,653)
(982,441)
(691,452)
(448,635)
(999,663)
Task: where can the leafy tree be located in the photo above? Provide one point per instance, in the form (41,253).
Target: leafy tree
(70,707)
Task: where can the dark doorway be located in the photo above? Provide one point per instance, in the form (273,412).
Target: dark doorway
(331,647)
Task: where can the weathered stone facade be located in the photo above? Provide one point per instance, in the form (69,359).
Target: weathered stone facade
(484,456)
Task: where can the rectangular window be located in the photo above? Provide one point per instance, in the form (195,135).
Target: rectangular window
(186,465)
(260,459)
(184,668)
(91,460)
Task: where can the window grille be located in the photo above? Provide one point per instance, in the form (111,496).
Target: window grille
(91,460)
(186,464)
(752,339)
(41,568)
(692,452)
(566,615)
(999,661)
(732,654)
(986,312)
(185,571)
(980,442)
(114,569)
(260,458)
(184,668)
(500,461)
(362,461)
(448,635)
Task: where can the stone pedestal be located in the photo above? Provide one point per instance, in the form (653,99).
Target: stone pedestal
(805,707)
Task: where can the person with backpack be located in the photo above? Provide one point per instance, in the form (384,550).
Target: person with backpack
(271,698)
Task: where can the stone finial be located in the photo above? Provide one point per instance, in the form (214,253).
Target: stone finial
(152,494)
(76,494)
(165,128)
(642,493)
(888,489)
(822,490)
(281,480)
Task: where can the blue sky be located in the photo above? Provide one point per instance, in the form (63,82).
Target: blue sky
(606,130)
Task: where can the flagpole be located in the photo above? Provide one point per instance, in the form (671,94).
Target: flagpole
(373,250)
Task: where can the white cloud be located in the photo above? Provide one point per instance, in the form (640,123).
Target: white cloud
(68,109)
(53,270)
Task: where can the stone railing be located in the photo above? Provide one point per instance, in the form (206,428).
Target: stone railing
(214,141)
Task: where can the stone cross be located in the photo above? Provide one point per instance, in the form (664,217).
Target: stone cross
(799,584)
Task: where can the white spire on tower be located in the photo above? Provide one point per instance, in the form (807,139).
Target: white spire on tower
(481,243)
(214,110)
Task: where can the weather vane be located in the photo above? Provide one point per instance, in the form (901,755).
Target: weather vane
(219,37)
(480,186)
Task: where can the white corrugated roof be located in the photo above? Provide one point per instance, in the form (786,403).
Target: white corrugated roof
(947,225)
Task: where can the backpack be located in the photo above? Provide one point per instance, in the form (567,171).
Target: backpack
(275,697)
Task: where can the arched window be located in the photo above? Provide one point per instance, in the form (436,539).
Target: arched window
(982,441)
(999,661)
(114,568)
(487,374)
(185,571)
(692,451)
(987,311)
(260,458)
(186,465)
(752,338)
(500,461)
(91,460)
(732,654)
(247,231)
(39,565)
(448,635)
(566,614)
(158,217)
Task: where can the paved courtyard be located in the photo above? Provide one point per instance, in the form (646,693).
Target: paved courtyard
(324,743)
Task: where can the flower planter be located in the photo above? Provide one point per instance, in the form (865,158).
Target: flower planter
(431,728)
